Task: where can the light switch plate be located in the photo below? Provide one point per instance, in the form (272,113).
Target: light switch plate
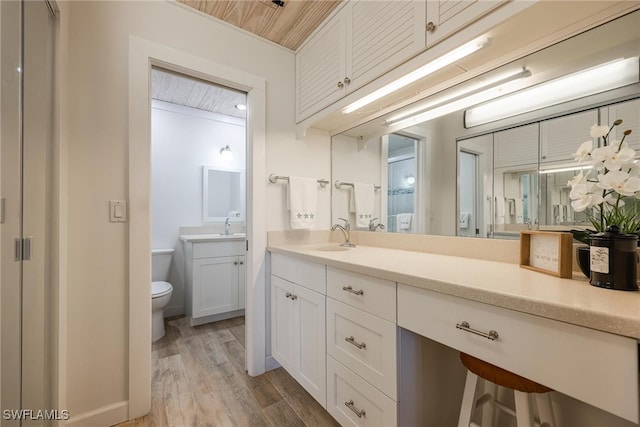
(117,211)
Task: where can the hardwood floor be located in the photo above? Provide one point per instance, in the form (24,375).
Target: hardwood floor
(199,380)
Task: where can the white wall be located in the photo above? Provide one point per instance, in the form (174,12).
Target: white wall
(96,137)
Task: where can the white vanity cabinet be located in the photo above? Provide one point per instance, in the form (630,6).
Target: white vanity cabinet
(215,272)
(362,349)
(298,291)
(362,41)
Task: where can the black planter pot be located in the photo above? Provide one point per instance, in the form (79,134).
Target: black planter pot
(582,255)
(613,260)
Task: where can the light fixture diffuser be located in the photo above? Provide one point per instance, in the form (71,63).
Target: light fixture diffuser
(601,78)
(429,68)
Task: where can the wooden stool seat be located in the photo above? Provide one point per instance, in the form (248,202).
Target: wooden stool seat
(501,376)
(524,392)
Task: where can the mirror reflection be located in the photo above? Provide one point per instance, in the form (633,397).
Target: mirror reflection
(223,194)
(469,174)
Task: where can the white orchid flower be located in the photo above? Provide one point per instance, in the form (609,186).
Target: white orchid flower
(583,196)
(620,182)
(577,179)
(611,158)
(612,200)
(597,131)
(582,154)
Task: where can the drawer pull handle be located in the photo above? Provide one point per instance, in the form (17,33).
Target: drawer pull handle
(292,296)
(351,340)
(360,413)
(491,335)
(350,289)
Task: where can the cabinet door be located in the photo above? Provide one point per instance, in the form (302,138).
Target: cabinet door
(381,35)
(629,113)
(561,137)
(448,16)
(282,323)
(309,330)
(242,283)
(215,286)
(516,147)
(320,68)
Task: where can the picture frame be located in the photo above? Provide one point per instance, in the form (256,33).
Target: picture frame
(547,252)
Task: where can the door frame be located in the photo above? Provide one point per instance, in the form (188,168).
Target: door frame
(143,54)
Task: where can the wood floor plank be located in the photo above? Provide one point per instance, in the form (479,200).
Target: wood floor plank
(282,415)
(199,379)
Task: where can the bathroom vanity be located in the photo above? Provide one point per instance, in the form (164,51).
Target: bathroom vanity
(579,340)
(215,272)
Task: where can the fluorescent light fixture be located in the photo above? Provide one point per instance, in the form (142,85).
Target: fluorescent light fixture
(457,101)
(429,68)
(601,78)
(567,169)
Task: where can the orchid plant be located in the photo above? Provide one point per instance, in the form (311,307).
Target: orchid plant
(608,182)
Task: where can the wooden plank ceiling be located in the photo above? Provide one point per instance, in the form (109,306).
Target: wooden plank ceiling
(288,25)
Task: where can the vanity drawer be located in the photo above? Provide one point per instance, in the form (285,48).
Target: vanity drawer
(364,343)
(347,394)
(308,274)
(373,295)
(596,367)
(216,249)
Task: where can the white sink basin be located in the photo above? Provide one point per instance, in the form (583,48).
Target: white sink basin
(327,247)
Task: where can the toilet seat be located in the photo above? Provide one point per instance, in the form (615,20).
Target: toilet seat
(160,289)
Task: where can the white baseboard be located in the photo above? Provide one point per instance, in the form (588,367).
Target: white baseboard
(271,363)
(101,417)
(215,317)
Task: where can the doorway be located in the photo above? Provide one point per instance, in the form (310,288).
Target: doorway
(143,55)
(198,156)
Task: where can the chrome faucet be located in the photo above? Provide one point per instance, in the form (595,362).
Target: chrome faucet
(346,230)
(227,226)
(374,227)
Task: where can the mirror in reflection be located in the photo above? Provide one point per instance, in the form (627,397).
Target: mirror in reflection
(505,175)
(223,194)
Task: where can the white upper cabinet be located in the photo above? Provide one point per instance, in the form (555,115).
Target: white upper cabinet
(361,42)
(561,137)
(629,113)
(445,17)
(516,147)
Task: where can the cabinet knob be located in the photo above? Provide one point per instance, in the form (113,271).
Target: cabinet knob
(431,27)
(340,85)
(347,80)
(235,262)
(241,262)
(291,296)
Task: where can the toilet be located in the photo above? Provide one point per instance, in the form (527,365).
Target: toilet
(161,289)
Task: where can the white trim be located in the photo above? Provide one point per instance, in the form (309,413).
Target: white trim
(272,363)
(143,54)
(106,416)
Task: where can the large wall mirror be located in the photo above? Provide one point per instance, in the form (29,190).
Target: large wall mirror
(223,194)
(464,173)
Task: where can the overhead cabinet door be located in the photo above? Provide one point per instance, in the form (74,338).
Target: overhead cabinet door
(629,113)
(561,137)
(516,147)
(445,17)
(383,34)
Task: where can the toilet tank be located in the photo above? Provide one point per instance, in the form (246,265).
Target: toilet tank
(161,264)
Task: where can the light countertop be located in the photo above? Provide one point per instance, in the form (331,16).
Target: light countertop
(496,283)
(211,237)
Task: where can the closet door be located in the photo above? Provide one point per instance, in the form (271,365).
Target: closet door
(37,134)
(10,205)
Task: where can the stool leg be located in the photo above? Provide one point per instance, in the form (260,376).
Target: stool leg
(488,413)
(468,400)
(545,409)
(524,415)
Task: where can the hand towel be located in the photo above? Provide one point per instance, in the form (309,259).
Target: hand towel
(500,210)
(403,222)
(362,199)
(519,211)
(302,202)
(464,220)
